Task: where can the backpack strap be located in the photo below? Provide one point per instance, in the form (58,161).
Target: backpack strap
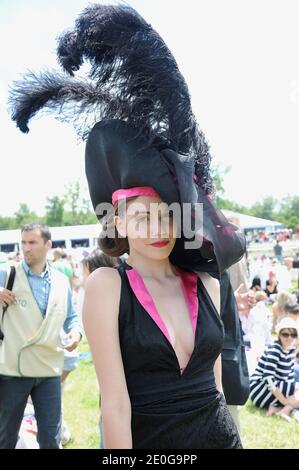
(9,286)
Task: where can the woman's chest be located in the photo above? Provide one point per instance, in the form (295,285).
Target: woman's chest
(173,317)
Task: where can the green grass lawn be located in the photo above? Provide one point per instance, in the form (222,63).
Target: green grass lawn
(261,432)
(81,404)
(81,409)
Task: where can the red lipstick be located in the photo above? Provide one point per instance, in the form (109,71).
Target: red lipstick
(160,244)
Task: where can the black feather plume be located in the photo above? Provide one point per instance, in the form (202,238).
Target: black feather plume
(133,77)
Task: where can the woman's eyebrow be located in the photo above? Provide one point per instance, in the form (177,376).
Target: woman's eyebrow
(148,212)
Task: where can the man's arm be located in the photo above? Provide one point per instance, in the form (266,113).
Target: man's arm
(72,325)
(2,278)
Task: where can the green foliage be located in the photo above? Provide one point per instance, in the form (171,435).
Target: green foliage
(8,223)
(24,216)
(285,210)
(289,211)
(265,209)
(74,207)
(78,206)
(54,211)
(218,174)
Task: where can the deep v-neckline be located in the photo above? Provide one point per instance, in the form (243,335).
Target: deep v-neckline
(189,286)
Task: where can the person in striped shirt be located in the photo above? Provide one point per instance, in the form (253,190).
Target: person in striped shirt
(272,385)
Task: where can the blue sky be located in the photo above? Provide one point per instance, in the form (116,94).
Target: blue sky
(239,58)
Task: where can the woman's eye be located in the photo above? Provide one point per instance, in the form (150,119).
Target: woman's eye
(167,217)
(142,218)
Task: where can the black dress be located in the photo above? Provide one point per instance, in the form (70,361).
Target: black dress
(171,410)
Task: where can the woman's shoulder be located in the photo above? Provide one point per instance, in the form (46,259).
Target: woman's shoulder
(274,347)
(102,294)
(208,280)
(104,278)
(212,286)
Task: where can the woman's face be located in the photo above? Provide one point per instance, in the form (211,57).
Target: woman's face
(149,227)
(287,337)
(272,277)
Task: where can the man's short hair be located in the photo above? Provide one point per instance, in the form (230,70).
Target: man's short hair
(44,230)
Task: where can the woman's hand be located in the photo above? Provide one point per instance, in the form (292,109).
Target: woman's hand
(244,301)
(292,401)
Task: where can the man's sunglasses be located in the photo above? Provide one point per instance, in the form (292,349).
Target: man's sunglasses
(287,335)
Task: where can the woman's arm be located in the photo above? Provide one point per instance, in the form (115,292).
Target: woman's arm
(280,396)
(218,374)
(213,287)
(100,318)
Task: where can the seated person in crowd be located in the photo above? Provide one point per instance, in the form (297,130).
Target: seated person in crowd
(272,385)
(271,284)
(292,311)
(259,325)
(278,308)
(256,284)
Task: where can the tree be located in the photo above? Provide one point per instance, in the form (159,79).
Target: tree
(8,223)
(72,197)
(289,211)
(54,211)
(265,209)
(25,216)
(79,206)
(218,174)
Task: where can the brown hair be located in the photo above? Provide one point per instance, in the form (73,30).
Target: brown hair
(282,298)
(44,230)
(118,245)
(97,259)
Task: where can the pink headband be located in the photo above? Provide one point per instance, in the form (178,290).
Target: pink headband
(133,192)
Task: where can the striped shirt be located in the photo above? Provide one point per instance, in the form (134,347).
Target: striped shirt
(275,369)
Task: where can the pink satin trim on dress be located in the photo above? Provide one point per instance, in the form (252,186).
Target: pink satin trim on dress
(133,192)
(189,285)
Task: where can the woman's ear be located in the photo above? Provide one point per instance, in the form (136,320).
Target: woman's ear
(120,225)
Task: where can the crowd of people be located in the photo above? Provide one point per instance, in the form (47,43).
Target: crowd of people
(271,336)
(270,328)
(264,236)
(25,422)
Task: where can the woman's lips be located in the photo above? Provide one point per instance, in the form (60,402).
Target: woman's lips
(159,244)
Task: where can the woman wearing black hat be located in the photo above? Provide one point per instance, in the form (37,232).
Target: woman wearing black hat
(152,323)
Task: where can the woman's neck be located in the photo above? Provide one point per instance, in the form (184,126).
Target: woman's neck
(152,268)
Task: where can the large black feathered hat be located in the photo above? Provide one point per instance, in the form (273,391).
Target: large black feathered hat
(134,111)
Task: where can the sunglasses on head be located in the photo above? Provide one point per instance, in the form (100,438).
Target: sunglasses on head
(287,335)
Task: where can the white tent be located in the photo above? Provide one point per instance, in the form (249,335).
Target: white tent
(249,222)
